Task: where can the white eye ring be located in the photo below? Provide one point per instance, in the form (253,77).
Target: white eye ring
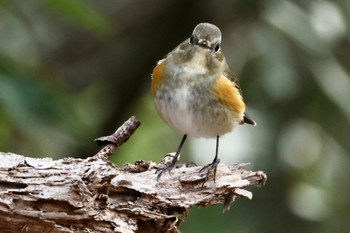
(191,39)
(217,47)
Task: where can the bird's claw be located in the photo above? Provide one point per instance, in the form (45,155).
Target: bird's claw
(212,166)
(168,168)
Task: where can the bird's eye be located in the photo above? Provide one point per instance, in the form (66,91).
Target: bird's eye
(217,47)
(191,39)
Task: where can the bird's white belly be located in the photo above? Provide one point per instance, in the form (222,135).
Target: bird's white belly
(177,108)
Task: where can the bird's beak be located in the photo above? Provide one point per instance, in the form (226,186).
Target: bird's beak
(204,43)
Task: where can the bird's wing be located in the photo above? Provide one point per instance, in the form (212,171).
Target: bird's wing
(229,74)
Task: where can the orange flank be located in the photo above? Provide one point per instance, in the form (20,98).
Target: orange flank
(157,76)
(228,95)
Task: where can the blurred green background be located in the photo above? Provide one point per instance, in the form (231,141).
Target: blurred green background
(72,71)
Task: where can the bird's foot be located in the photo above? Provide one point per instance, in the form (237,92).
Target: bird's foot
(210,167)
(170,161)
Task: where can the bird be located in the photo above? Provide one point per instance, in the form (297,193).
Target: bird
(197,94)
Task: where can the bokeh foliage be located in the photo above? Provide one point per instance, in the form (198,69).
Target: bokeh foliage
(71,71)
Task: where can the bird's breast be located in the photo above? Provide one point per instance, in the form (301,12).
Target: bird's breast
(188,103)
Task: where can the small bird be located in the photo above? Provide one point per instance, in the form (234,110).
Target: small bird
(196,93)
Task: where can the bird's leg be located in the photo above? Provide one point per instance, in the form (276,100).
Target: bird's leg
(172,164)
(213,165)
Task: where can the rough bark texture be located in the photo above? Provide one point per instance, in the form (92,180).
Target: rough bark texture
(93,195)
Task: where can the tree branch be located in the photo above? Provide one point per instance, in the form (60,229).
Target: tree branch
(93,195)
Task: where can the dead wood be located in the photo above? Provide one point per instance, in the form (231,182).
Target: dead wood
(93,195)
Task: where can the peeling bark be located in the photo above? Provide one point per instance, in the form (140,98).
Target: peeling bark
(93,195)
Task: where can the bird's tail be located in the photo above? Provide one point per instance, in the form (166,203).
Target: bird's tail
(248,120)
